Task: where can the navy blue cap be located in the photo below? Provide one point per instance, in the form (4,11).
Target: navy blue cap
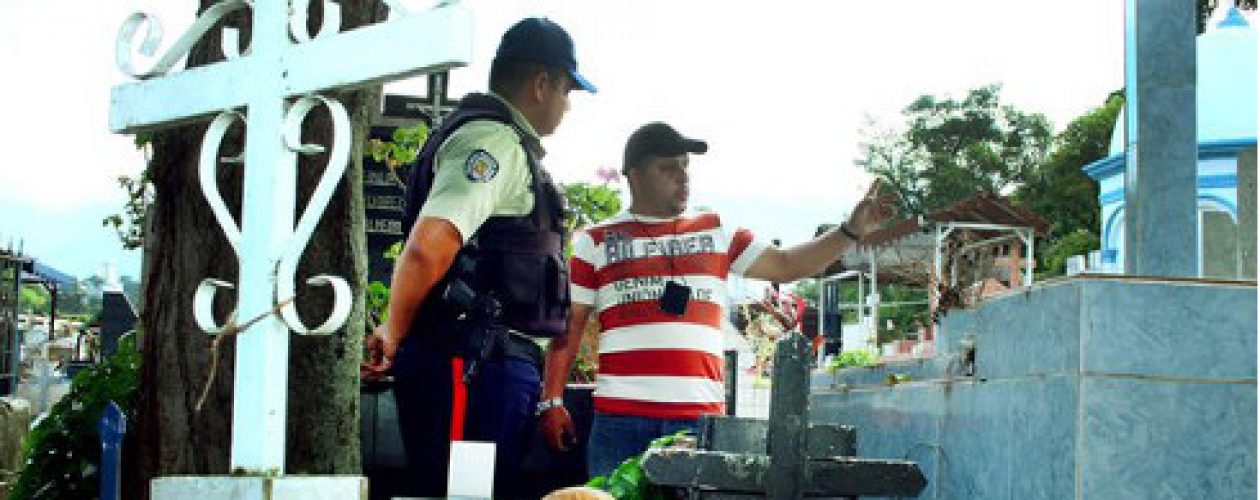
(538,40)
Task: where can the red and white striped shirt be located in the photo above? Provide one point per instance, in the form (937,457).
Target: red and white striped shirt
(652,363)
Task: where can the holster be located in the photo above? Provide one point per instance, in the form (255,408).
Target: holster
(477,341)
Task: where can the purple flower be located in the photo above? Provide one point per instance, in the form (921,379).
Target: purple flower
(608,175)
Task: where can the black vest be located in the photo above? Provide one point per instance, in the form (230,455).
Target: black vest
(517,260)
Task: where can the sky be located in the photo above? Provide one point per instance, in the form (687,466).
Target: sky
(780,90)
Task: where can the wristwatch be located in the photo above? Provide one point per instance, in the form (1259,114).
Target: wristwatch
(547,404)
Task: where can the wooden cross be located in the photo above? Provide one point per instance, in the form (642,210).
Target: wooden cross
(271,86)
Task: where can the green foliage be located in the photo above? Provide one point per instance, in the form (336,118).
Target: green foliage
(1058,251)
(378,300)
(1061,193)
(378,292)
(590,203)
(35,298)
(628,482)
(63,451)
(401,149)
(952,149)
(130,224)
(846,359)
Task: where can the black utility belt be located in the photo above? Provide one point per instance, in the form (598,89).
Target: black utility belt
(466,340)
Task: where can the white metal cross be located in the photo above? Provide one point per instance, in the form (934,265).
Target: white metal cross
(271,87)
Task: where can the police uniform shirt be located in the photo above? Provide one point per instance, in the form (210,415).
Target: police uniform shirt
(482,171)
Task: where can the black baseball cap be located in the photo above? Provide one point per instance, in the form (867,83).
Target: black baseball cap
(658,139)
(538,40)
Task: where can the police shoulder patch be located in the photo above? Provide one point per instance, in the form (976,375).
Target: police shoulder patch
(480,166)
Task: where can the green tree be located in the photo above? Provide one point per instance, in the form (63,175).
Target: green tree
(954,148)
(1060,192)
(63,452)
(35,299)
(588,204)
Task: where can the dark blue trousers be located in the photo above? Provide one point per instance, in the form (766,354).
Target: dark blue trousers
(500,408)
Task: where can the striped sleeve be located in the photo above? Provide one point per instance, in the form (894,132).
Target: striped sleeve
(744,250)
(582,279)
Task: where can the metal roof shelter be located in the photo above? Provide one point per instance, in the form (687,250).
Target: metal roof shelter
(941,250)
(16,270)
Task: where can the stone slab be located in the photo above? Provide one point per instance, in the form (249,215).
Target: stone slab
(1161,439)
(1092,388)
(260,488)
(1179,330)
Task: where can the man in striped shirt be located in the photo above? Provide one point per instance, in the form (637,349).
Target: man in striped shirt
(655,276)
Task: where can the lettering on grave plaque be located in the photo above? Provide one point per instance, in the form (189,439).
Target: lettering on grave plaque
(382,208)
(384,192)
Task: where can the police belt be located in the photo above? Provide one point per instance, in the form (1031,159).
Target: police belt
(455,338)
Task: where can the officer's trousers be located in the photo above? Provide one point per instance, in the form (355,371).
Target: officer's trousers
(500,406)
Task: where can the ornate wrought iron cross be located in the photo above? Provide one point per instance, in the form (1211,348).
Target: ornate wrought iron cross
(271,86)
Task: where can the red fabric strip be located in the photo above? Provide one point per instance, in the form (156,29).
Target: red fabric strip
(459,399)
(671,362)
(739,243)
(582,273)
(679,411)
(647,312)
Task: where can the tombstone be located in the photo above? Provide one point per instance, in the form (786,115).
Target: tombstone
(784,457)
(15,424)
(270,88)
(118,316)
(383,190)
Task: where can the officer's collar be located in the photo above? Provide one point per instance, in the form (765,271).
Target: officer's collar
(531,136)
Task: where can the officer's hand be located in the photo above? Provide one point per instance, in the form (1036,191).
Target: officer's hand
(872,211)
(557,428)
(381,349)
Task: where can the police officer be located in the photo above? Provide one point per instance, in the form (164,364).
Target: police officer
(483,268)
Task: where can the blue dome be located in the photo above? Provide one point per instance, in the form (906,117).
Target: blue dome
(1226,69)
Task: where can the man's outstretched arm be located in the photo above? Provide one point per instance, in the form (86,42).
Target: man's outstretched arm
(784,265)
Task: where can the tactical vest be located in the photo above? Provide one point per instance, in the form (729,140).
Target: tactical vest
(518,260)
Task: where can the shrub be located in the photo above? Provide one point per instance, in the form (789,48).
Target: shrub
(63,453)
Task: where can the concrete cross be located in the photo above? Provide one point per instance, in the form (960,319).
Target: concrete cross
(1161,222)
(271,86)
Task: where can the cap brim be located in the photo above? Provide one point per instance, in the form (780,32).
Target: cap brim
(695,146)
(582,82)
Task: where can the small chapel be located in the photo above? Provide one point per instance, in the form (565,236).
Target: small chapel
(1226,130)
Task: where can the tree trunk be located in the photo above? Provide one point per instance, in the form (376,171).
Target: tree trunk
(184,244)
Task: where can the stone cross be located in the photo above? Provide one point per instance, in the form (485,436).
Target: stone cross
(784,457)
(270,87)
(1161,172)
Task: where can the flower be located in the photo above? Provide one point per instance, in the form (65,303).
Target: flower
(607,175)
